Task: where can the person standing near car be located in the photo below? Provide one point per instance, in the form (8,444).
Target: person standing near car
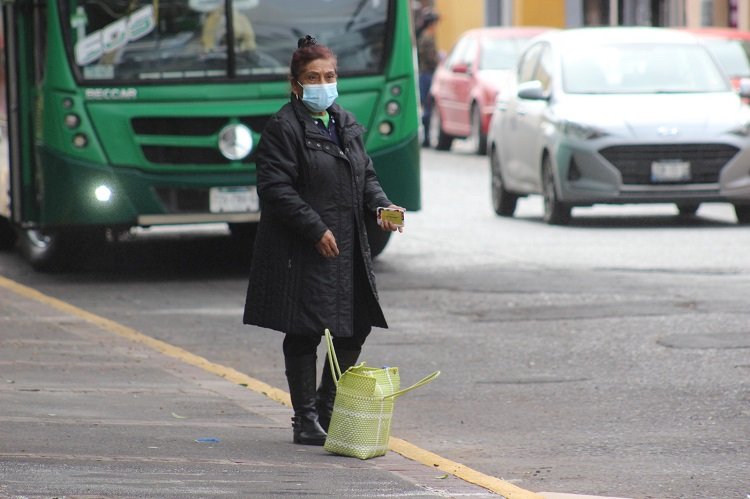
(311,266)
(428,59)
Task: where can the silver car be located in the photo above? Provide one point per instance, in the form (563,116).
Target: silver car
(620,115)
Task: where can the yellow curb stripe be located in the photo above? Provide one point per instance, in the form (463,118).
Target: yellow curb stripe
(158,345)
(402,447)
(458,470)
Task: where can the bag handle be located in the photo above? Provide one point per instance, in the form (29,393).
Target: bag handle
(332,360)
(336,370)
(421,382)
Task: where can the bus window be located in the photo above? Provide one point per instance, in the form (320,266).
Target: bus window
(178,39)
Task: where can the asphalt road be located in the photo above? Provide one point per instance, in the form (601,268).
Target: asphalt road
(609,357)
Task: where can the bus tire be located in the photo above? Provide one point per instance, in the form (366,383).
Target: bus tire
(43,250)
(7,235)
(54,250)
(243,233)
(377,238)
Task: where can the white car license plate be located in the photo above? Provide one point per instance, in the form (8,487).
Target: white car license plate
(233,199)
(670,171)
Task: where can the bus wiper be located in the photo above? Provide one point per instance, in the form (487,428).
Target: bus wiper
(356,14)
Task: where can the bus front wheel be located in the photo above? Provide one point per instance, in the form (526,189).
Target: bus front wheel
(42,249)
(243,233)
(52,250)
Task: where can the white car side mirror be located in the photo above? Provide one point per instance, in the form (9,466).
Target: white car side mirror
(744,89)
(532,90)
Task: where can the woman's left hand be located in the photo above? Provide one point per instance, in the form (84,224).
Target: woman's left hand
(390,226)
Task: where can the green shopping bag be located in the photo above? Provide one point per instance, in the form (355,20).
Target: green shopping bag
(363,408)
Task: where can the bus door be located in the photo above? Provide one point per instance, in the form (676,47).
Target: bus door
(20,72)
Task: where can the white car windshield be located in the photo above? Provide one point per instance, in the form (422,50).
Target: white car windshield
(733,55)
(641,68)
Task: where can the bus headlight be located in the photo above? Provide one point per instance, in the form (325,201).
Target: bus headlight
(235,141)
(396,90)
(392,108)
(80,140)
(385,128)
(103,194)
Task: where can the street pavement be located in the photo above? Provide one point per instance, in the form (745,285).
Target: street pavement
(88,410)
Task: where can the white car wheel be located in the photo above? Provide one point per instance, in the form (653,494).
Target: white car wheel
(555,212)
(503,202)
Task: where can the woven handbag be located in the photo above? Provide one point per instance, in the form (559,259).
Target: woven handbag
(363,408)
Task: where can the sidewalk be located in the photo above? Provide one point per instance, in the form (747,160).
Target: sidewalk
(87,412)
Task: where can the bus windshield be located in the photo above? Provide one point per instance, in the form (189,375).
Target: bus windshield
(137,41)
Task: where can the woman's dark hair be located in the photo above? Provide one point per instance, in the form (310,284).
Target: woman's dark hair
(308,50)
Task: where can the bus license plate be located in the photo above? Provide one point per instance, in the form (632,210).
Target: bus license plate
(670,171)
(233,199)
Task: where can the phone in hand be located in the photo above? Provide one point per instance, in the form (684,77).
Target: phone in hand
(393,215)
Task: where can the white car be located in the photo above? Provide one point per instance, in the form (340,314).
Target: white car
(620,115)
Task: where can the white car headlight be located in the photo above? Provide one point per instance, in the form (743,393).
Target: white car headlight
(580,130)
(741,130)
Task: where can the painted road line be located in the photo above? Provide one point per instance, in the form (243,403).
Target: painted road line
(402,447)
(458,470)
(158,345)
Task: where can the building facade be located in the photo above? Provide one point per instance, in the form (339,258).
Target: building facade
(457,16)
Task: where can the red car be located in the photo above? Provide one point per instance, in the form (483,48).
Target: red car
(731,47)
(465,85)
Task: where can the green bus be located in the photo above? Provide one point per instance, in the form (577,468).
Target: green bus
(119,114)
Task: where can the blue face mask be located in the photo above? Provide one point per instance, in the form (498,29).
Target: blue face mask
(319,97)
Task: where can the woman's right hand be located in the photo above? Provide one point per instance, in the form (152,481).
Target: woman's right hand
(327,245)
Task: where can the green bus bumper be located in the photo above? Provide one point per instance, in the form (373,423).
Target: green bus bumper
(69,191)
(70,197)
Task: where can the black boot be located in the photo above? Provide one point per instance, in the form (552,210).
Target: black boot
(327,389)
(301,376)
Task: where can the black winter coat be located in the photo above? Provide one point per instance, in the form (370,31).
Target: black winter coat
(307,184)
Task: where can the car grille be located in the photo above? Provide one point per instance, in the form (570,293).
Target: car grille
(185,127)
(634,162)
